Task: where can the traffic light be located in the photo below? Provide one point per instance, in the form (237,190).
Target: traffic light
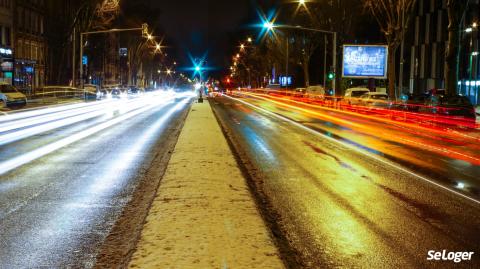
(331,75)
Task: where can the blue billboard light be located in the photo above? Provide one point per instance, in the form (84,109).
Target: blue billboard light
(365,61)
(285,81)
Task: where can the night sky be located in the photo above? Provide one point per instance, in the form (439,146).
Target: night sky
(215,27)
(206,26)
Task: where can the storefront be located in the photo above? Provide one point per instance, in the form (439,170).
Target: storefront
(6,65)
(25,75)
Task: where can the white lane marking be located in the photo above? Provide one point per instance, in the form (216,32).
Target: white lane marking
(357,150)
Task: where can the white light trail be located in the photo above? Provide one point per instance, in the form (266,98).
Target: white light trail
(44,118)
(153,101)
(22,114)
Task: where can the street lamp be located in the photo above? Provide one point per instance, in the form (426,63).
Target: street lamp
(143,29)
(270,26)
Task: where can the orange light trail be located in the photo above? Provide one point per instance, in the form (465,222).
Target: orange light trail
(414,135)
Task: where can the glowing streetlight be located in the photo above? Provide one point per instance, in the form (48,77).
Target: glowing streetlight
(268,25)
(197,68)
(149,37)
(301,2)
(169,71)
(242,46)
(249,40)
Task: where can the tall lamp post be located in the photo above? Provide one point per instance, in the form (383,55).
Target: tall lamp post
(270,27)
(144,30)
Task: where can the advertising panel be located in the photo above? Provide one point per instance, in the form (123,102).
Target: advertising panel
(365,61)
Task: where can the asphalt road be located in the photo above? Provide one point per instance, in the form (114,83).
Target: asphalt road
(446,153)
(337,206)
(65,179)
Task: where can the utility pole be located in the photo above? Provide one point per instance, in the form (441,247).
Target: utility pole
(286,61)
(325,62)
(74,49)
(402,48)
(144,30)
(334,69)
(81,64)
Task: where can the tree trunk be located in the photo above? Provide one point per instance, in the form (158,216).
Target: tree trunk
(452,50)
(306,73)
(391,72)
(451,62)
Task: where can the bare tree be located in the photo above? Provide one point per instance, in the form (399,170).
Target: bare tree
(456,14)
(393,17)
(332,15)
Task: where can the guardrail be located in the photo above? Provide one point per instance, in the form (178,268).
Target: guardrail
(61,92)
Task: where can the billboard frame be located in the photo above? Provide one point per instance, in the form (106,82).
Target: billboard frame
(384,77)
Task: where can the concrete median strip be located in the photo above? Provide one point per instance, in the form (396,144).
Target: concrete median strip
(203,215)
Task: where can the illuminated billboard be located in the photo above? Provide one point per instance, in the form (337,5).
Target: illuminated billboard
(365,61)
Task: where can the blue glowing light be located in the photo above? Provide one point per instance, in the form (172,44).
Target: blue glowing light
(267,24)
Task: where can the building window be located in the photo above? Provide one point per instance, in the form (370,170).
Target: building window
(8,36)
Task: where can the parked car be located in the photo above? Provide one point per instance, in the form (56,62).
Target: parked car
(352,95)
(92,91)
(11,97)
(375,100)
(455,106)
(411,102)
(114,91)
(134,90)
(315,92)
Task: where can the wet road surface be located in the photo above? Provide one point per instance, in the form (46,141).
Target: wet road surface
(66,179)
(448,154)
(340,207)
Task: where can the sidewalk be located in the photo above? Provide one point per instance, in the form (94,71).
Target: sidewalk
(204,215)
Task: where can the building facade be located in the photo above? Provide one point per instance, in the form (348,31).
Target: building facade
(6,41)
(469,84)
(428,41)
(30,44)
